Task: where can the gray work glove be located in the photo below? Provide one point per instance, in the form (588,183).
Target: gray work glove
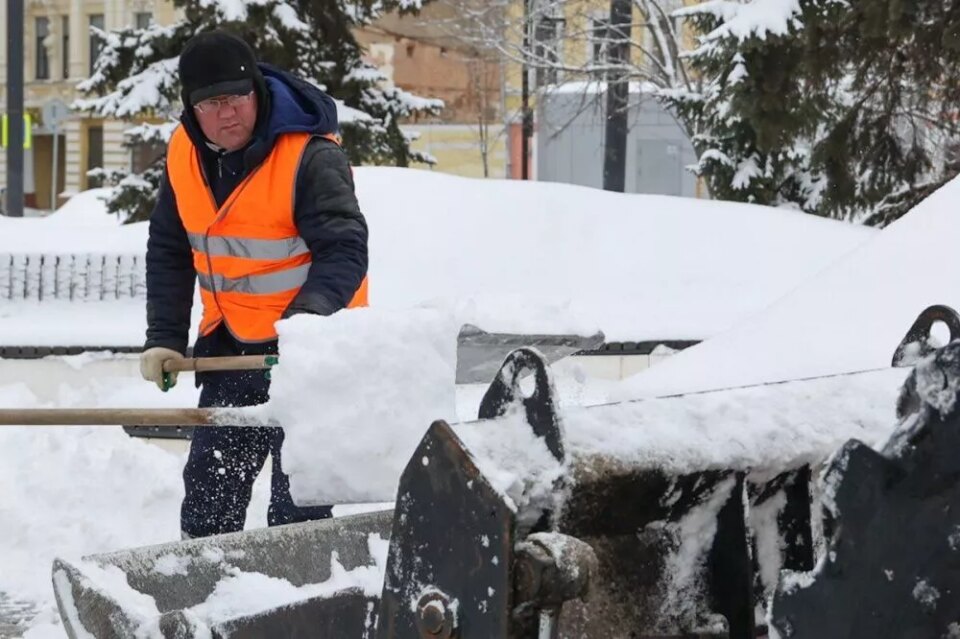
(151,367)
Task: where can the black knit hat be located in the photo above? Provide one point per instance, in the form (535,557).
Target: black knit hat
(217,63)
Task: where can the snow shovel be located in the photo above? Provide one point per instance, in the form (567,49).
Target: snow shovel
(479,356)
(479,353)
(147,416)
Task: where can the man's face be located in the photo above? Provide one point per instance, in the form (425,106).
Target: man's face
(228,120)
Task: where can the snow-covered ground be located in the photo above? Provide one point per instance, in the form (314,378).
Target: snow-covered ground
(850,317)
(516,256)
(522,257)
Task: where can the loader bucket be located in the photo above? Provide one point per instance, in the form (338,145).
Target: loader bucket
(171,589)
(563,540)
(607,549)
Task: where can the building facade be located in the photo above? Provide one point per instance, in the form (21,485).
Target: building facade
(569,45)
(59,52)
(435,54)
(427,55)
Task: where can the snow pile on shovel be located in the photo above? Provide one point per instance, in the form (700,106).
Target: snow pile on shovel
(355,393)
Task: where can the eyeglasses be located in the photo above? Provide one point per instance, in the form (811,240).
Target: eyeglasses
(213,105)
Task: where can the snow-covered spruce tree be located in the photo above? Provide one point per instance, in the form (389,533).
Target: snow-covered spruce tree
(135,79)
(842,109)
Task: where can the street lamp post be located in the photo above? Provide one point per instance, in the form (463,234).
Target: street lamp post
(527,117)
(618,97)
(15,132)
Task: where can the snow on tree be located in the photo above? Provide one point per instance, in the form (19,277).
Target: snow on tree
(840,108)
(843,109)
(572,46)
(135,79)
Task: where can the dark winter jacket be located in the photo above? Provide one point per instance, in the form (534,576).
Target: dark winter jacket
(326,214)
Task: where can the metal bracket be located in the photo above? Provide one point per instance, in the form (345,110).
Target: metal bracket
(919,334)
(449,568)
(891,567)
(505,395)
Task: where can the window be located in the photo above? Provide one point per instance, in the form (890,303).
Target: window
(600,33)
(96,44)
(65,46)
(94,154)
(143,19)
(42,66)
(546,49)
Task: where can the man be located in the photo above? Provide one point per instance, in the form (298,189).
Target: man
(257,203)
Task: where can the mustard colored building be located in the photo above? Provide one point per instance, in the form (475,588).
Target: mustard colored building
(427,55)
(59,51)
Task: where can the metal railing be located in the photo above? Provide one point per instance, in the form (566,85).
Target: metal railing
(81,277)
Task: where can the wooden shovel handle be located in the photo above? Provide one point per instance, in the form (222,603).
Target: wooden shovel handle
(108,417)
(236,363)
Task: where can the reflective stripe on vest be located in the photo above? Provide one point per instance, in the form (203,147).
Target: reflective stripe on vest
(248,248)
(267,284)
(249,258)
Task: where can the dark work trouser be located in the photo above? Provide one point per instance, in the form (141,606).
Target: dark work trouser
(224,462)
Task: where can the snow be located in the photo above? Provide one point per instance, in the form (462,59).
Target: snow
(595,87)
(769,543)
(742,20)
(926,595)
(82,228)
(358,390)
(509,256)
(849,317)
(935,388)
(170,565)
(101,490)
(70,607)
(518,465)
(249,593)
(693,536)
(761,429)
(140,609)
(70,492)
(146,90)
(563,258)
(347,114)
(779,426)
(63,323)
(84,209)
(954,539)
(526,257)
(238,593)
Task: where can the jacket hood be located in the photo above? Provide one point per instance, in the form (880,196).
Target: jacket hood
(297,105)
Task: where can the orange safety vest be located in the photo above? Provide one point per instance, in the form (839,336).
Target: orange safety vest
(249,257)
